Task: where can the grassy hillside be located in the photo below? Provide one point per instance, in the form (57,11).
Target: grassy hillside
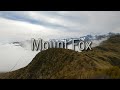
(102,62)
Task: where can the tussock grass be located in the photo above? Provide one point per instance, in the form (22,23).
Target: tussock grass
(103,62)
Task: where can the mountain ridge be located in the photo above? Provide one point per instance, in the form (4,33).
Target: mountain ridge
(55,63)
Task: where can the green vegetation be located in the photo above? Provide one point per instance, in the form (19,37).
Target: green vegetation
(103,62)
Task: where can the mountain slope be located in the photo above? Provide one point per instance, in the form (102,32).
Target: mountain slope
(102,62)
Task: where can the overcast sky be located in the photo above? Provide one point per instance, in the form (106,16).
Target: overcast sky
(56,24)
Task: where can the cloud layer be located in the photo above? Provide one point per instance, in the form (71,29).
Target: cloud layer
(56,24)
